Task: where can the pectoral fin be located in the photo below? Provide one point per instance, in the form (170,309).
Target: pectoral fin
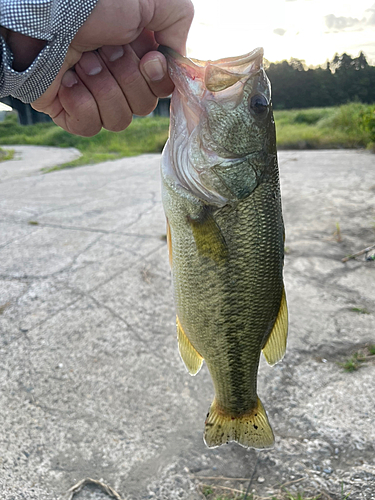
(192,359)
(275,347)
(209,238)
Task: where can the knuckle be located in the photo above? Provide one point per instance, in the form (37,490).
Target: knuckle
(119,119)
(85,130)
(131,79)
(86,120)
(189,10)
(117,127)
(186,11)
(121,124)
(164,90)
(145,107)
(106,91)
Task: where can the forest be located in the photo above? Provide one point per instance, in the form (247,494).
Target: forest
(344,79)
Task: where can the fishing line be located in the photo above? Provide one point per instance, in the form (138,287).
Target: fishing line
(252,477)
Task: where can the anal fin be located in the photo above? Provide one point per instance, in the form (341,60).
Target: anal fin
(275,347)
(251,430)
(192,359)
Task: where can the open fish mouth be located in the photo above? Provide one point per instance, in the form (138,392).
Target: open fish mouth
(217,75)
(212,101)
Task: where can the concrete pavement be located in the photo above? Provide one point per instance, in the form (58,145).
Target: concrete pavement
(29,160)
(91,381)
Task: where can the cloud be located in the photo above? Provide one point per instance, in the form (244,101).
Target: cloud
(371,19)
(341,23)
(280,31)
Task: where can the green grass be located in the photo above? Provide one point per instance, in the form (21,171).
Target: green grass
(351,364)
(300,496)
(216,492)
(144,135)
(360,310)
(6,154)
(283,496)
(348,126)
(207,490)
(361,357)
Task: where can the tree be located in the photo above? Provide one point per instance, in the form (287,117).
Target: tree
(344,79)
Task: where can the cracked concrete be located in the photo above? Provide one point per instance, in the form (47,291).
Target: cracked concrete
(91,381)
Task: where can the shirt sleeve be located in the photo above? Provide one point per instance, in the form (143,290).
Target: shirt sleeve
(57,22)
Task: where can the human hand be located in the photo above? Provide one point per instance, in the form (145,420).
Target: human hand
(125,75)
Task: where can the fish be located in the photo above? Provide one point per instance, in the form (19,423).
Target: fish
(225,233)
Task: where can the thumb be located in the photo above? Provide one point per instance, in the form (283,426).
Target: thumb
(171,23)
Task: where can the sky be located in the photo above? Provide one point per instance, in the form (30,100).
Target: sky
(311,30)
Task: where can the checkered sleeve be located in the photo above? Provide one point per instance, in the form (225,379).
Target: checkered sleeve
(57,22)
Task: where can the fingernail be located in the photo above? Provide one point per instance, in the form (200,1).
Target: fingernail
(115,53)
(69,79)
(90,64)
(154,70)
(112,52)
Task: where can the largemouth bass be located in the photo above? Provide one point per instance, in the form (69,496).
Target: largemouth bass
(225,234)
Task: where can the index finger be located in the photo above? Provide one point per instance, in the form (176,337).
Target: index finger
(171,23)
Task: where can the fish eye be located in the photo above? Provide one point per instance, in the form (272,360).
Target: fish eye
(258,104)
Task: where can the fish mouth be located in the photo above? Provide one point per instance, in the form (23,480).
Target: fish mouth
(237,62)
(198,163)
(198,81)
(213,76)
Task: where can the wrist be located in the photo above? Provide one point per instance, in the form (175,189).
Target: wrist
(24,48)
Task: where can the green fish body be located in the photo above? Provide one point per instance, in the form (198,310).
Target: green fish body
(222,201)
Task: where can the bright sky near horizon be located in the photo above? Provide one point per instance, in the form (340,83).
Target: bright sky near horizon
(311,30)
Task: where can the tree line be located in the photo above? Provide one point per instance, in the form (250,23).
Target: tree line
(344,79)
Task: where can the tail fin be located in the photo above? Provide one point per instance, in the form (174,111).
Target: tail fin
(251,430)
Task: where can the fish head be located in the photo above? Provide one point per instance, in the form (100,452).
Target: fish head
(222,132)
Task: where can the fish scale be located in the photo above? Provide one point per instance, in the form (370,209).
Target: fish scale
(226,236)
(243,314)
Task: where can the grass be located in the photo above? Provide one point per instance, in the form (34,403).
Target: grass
(145,135)
(210,493)
(337,234)
(362,356)
(220,492)
(360,310)
(6,154)
(345,126)
(348,126)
